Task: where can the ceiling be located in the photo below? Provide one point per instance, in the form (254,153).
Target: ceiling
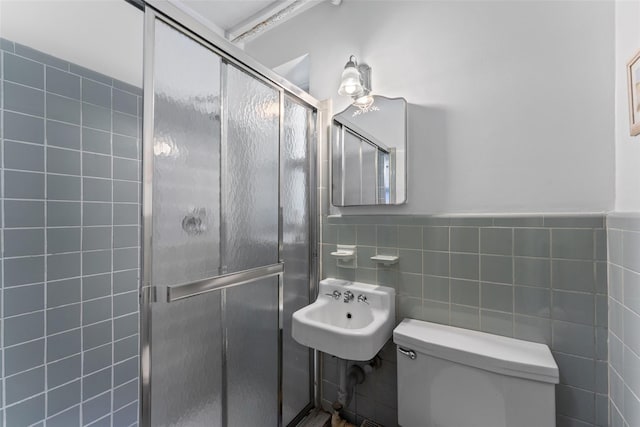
(244,18)
(227,14)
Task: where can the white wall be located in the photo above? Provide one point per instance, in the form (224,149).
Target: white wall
(102,35)
(627,147)
(511,102)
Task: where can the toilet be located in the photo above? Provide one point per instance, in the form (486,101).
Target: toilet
(453,377)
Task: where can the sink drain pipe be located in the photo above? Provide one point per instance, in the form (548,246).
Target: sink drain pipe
(349,378)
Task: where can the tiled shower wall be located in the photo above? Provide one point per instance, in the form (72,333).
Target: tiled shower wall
(623,231)
(541,278)
(70,217)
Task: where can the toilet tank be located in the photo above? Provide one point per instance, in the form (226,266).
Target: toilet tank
(453,377)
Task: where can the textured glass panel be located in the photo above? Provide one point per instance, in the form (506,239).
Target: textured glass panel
(252,353)
(369,178)
(186,208)
(295,253)
(336,166)
(352,172)
(251,210)
(383,177)
(186,362)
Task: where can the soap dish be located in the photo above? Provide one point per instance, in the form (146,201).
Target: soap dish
(385,259)
(346,256)
(345,252)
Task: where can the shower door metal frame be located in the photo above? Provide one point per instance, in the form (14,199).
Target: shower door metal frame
(230,54)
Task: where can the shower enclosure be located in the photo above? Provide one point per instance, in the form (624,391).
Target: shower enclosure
(229,234)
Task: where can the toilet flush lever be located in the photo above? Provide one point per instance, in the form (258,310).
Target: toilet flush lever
(409,353)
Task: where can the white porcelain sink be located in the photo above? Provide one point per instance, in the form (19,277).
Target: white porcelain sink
(353,330)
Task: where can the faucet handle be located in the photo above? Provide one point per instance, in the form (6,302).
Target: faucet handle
(335,294)
(363,298)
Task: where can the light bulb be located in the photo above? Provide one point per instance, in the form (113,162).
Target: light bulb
(351,81)
(350,89)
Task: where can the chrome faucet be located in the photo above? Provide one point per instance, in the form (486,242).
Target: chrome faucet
(363,298)
(335,294)
(348,296)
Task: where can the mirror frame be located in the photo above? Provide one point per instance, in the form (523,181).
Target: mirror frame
(406,156)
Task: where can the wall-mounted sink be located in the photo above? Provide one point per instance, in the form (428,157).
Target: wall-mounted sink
(350,320)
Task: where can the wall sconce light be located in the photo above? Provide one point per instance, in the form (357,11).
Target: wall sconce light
(356,83)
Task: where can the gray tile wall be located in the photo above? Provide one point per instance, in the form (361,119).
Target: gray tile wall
(70,227)
(623,231)
(540,278)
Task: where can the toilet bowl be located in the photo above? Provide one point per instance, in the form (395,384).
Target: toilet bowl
(453,377)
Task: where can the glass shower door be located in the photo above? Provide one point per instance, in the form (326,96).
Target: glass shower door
(250,206)
(187,335)
(213,356)
(228,202)
(296,200)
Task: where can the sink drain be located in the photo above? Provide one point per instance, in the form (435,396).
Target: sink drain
(348,315)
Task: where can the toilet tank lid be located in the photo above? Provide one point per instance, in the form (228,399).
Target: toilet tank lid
(502,355)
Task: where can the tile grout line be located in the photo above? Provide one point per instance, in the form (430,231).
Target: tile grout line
(46,250)
(111,403)
(82,255)
(2,194)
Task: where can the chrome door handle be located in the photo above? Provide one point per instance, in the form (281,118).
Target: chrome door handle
(409,353)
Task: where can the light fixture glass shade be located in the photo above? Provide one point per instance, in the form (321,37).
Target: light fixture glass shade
(351,81)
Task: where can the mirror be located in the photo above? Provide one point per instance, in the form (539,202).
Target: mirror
(369,154)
